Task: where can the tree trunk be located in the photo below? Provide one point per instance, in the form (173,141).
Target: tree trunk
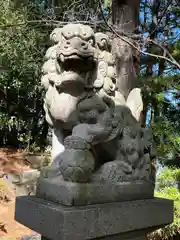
(125,15)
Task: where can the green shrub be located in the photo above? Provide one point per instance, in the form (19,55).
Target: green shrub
(167,187)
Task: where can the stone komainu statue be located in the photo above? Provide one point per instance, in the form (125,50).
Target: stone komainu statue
(97,136)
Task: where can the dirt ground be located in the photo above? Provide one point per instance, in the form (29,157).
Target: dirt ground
(11,162)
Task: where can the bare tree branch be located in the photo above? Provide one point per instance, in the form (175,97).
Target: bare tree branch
(49,22)
(165,53)
(126,37)
(29,22)
(161,17)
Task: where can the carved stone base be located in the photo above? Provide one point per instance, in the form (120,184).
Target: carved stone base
(69,193)
(134,235)
(109,221)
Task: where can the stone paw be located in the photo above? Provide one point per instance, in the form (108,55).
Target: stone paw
(115,171)
(49,172)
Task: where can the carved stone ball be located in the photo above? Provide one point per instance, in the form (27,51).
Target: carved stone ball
(76,165)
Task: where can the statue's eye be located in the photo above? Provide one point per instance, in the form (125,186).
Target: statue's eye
(53,35)
(91,41)
(64,39)
(113,80)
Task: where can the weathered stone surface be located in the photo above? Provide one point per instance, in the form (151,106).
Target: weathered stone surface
(133,235)
(56,222)
(88,113)
(69,193)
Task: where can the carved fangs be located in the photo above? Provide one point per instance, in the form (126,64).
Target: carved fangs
(62,58)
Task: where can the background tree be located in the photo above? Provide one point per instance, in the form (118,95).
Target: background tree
(160,79)
(125,16)
(22,49)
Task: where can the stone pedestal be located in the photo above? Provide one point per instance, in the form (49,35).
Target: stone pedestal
(81,194)
(111,221)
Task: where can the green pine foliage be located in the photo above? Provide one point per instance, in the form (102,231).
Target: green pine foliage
(160,79)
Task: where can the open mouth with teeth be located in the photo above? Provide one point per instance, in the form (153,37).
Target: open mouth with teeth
(77,62)
(75,55)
